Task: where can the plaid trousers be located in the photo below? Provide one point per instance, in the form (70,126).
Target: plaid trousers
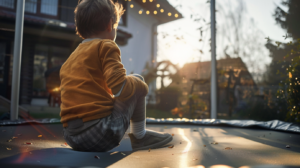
(109,131)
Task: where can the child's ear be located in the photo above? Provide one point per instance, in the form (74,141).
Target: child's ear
(109,26)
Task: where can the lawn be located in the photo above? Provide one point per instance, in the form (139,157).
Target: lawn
(150,112)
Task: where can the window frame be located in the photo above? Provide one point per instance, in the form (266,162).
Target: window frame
(38,10)
(2,7)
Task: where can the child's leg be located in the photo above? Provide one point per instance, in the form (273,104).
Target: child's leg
(138,118)
(136,111)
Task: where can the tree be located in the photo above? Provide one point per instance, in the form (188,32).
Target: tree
(289,20)
(284,68)
(238,36)
(289,93)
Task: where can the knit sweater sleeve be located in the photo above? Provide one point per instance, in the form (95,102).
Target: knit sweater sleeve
(114,72)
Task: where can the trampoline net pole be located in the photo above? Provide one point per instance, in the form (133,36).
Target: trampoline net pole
(213,96)
(14,106)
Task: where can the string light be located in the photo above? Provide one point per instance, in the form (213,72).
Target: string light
(155,11)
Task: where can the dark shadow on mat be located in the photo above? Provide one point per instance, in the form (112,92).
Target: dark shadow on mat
(59,157)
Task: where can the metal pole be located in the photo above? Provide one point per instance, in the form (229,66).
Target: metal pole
(213,94)
(14,106)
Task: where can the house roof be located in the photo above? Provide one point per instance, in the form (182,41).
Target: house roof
(164,4)
(51,22)
(202,70)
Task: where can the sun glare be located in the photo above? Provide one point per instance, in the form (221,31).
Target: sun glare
(180,54)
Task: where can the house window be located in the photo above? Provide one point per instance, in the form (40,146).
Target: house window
(30,6)
(49,7)
(7,3)
(46,7)
(47,62)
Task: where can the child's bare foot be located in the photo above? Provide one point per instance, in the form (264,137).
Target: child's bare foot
(152,139)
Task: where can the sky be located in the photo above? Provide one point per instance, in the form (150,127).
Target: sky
(259,23)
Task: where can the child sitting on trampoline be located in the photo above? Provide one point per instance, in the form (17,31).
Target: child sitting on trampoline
(98,100)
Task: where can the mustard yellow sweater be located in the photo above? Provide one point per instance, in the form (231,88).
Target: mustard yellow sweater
(87,78)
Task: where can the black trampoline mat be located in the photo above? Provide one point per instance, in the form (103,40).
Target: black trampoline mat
(226,146)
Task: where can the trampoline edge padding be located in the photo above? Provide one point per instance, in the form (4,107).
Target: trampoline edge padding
(273,124)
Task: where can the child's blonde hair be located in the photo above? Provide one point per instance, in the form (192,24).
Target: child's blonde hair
(93,16)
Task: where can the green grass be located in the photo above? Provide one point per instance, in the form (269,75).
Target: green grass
(41,115)
(150,112)
(44,115)
(155,113)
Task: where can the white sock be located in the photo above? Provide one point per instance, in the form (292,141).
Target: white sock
(138,129)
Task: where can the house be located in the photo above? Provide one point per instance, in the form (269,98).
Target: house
(49,38)
(232,74)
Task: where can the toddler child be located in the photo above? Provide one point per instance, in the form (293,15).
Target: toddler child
(98,100)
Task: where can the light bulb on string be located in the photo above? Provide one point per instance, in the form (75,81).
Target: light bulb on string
(147,12)
(169,14)
(141,11)
(176,15)
(155,12)
(150,0)
(131,6)
(158,5)
(162,10)
(144,1)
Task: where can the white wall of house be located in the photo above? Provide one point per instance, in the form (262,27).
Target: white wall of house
(138,49)
(143,43)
